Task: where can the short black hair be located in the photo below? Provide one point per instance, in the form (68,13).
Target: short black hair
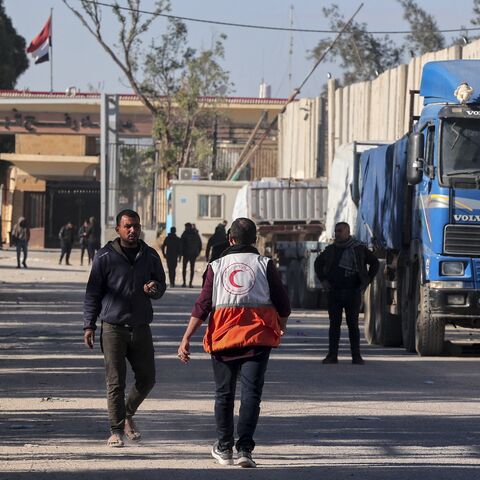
(173,230)
(127,213)
(342,223)
(188,225)
(243,231)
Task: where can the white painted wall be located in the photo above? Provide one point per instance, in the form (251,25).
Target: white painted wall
(185,204)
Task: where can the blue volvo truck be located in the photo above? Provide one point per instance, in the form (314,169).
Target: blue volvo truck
(419,208)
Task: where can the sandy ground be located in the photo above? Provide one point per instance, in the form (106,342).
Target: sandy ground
(399,416)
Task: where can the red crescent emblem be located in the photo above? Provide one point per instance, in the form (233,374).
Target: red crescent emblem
(231,279)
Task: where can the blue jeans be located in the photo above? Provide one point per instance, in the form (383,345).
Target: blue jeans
(252,375)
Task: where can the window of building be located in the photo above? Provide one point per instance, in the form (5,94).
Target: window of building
(210,206)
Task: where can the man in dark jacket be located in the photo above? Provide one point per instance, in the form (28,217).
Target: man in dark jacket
(342,269)
(126,274)
(217,243)
(172,249)
(67,237)
(191,248)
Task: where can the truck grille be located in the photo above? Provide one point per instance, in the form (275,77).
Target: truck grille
(462,239)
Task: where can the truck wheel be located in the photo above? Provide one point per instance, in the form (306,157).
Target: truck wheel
(388,326)
(369,318)
(293,281)
(430,332)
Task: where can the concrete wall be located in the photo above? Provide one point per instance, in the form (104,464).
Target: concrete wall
(378,110)
(185,204)
(299,139)
(51,144)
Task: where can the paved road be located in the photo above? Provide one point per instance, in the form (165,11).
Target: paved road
(397,417)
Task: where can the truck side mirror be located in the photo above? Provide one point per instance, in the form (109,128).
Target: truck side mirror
(416,142)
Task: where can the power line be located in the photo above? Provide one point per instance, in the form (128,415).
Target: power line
(269,27)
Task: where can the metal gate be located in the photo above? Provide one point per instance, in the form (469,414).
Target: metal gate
(69,202)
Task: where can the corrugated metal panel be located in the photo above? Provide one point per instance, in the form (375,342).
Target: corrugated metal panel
(285,201)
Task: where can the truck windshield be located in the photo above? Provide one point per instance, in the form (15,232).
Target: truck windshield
(460,155)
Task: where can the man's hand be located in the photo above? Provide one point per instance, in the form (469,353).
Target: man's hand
(150,288)
(184,351)
(89,338)
(283,325)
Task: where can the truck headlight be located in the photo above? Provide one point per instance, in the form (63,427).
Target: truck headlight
(453,268)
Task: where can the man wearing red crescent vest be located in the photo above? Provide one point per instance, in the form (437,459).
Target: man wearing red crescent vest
(248,308)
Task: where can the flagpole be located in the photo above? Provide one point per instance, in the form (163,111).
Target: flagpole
(51,50)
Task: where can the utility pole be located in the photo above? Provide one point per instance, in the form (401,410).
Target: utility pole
(290,52)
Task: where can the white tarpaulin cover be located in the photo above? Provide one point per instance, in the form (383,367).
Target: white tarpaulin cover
(340,205)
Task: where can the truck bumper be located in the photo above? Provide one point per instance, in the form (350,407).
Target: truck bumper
(455,304)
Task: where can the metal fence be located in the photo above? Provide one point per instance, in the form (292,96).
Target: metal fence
(131,173)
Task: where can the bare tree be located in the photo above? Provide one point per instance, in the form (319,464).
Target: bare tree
(169,77)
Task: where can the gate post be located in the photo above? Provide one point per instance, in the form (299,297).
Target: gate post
(109,159)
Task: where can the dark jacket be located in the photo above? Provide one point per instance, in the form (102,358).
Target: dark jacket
(82,236)
(66,235)
(324,264)
(173,246)
(93,234)
(191,243)
(219,237)
(115,288)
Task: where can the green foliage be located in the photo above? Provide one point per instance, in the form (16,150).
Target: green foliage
(137,168)
(362,55)
(425,36)
(476,11)
(13,59)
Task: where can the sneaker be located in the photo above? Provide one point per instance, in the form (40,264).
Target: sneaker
(245,459)
(358,360)
(224,457)
(329,359)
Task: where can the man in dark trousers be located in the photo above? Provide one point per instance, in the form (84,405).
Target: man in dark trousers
(342,269)
(191,248)
(172,249)
(126,274)
(248,308)
(67,238)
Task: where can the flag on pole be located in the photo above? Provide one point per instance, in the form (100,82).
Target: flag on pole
(39,47)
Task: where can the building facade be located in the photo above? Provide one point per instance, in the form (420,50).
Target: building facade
(50,156)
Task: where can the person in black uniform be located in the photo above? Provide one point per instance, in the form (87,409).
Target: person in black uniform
(191,248)
(172,250)
(67,237)
(342,270)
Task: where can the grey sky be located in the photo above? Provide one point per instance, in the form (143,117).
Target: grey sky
(250,54)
